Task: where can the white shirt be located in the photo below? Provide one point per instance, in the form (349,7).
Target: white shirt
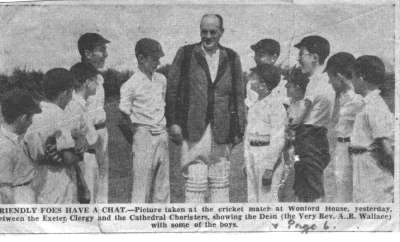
(144,99)
(374,121)
(77,109)
(265,117)
(350,105)
(55,183)
(212,62)
(322,97)
(44,124)
(16,167)
(96,103)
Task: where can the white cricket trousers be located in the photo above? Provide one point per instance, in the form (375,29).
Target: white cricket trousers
(150,167)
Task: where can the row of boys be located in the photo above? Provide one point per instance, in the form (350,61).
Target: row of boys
(45,164)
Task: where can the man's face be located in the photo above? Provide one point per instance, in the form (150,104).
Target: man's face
(97,56)
(149,63)
(210,32)
(264,58)
(336,81)
(307,60)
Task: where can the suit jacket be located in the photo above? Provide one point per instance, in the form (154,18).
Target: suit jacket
(202,101)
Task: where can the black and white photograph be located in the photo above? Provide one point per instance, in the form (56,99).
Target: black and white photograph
(195,116)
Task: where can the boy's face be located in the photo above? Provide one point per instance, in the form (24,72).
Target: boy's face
(91,85)
(307,60)
(23,123)
(264,58)
(336,81)
(65,98)
(97,56)
(149,63)
(358,83)
(293,91)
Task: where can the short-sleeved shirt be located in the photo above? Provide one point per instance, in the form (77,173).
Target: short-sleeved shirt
(96,103)
(16,167)
(144,100)
(350,105)
(374,121)
(322,97)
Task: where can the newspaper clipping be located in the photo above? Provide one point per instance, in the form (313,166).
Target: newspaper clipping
(227,116)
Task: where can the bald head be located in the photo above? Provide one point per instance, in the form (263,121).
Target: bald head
(212,19)
(211,30)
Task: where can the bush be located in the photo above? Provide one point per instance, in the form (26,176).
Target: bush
(113,80)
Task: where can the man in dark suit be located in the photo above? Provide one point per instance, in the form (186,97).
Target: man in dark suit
(205,109)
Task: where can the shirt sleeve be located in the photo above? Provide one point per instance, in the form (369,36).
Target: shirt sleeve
(127,93)
(251,96)
(34,146)
(381,122)
(6,166)
(96,103)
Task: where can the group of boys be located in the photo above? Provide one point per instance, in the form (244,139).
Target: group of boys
(55,149)
(333,109)
(56,152)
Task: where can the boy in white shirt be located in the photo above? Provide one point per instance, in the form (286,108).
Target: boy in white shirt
(339,69)
(266,120)
(77,109)
(311,142)
(372,139)
(143,101)
(56,177)
(17,170)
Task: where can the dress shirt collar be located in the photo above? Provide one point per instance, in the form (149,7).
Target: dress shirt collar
(371,96)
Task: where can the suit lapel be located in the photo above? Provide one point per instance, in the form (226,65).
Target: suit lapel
(201,60)
(223,64)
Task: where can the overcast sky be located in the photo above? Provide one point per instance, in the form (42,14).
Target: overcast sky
(43,37)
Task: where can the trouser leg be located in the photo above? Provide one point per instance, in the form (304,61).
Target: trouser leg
(142,175)
(103,162)
(161,185)
(91,175)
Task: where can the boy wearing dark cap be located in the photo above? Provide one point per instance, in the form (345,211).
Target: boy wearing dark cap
(93,50)
(339,68)
(266,119)
(85,77)
(266,52)
(372,139)
(56,177)
(17,171)
(143,101)
(313,148)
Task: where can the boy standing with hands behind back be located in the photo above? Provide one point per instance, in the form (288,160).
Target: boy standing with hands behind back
(143,101)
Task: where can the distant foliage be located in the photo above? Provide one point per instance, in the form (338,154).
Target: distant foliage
(113,81)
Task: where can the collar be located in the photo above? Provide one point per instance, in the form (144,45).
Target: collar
(79,99)
(371,96)
(49,105)
(318,71)
(216,54)
(143,76)
(10,135)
